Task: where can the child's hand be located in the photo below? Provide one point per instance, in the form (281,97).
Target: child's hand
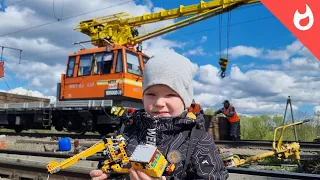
(140,175)
(98,175)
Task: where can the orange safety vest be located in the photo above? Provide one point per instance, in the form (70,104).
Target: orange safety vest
(195,109)
(234,118)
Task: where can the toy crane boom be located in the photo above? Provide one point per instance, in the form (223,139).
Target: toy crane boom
(54,167)
(121,29)
(145,157)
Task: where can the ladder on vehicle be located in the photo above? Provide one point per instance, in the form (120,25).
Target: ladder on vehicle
(46,118)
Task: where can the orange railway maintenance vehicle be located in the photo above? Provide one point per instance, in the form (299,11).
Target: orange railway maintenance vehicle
(109,74)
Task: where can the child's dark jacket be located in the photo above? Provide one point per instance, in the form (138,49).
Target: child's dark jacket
(173,139)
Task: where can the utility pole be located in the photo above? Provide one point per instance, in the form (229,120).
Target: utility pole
(285,114)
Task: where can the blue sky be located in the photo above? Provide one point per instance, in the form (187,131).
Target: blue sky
(266,62)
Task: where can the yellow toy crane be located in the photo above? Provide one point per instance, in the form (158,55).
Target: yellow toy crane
(279,150)
(145,157)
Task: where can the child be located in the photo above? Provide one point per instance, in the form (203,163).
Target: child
(165,122)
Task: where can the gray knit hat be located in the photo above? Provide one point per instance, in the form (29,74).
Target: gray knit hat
(171,69)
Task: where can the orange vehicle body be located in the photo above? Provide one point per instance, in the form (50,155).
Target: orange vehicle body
(110,72)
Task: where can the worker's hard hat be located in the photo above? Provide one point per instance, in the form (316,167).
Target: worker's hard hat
(225,101)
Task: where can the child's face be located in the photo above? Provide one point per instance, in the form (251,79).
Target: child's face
(160,100)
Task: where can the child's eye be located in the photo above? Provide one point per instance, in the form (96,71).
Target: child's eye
(150,94)
(172,95)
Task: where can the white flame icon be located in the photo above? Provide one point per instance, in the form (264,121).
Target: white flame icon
(297,17)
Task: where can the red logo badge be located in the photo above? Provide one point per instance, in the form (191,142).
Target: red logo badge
(302,18)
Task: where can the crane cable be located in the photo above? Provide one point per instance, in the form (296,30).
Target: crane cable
(228,32)
(223,61)
(220,29)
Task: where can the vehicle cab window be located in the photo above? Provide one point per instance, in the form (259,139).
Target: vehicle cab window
(85,65)
(119,65)
(103,62)
(71,64)
(145,59)
(133,63)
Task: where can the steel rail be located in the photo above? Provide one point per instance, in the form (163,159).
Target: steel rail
(304,146)
(277,174)
(47,154)
(98,156)
(35,170)
(42,135)
(23,170)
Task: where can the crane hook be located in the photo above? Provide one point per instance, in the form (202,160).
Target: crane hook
(223,62)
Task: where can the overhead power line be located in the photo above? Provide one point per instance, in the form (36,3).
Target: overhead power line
(235,24)
(196,32)
(6,83)
(187,34)
(2,49)
(15,3)
(70,17)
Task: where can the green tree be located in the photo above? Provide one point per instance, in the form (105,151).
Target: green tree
(209,111)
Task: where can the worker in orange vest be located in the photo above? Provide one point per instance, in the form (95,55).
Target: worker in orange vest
(195,108)
(234,120)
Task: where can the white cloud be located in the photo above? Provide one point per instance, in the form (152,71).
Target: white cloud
(46,48)
(255,91)
(316,109)
(209,74)
(158,44)
(277,54)
(198,51)
(236,74)
(273,66)
(23,91)
(203,39)
(248,66)
(284,54)
(60,34)
(209,100)
(39,75)
(252,92)
(238,51)
(195,69)
(304,63)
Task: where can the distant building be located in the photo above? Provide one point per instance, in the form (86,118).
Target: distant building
(15,98)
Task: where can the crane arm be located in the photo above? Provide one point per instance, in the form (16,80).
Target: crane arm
(121,28)
(145,157)
(54,167)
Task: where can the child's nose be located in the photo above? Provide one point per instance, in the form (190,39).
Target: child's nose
(160,102)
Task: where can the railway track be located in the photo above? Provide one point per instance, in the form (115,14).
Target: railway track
(263,145)
(98,156)
(42,135)
(13,167)
(29,171)
(255,144)
(304,146)
(276,174)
